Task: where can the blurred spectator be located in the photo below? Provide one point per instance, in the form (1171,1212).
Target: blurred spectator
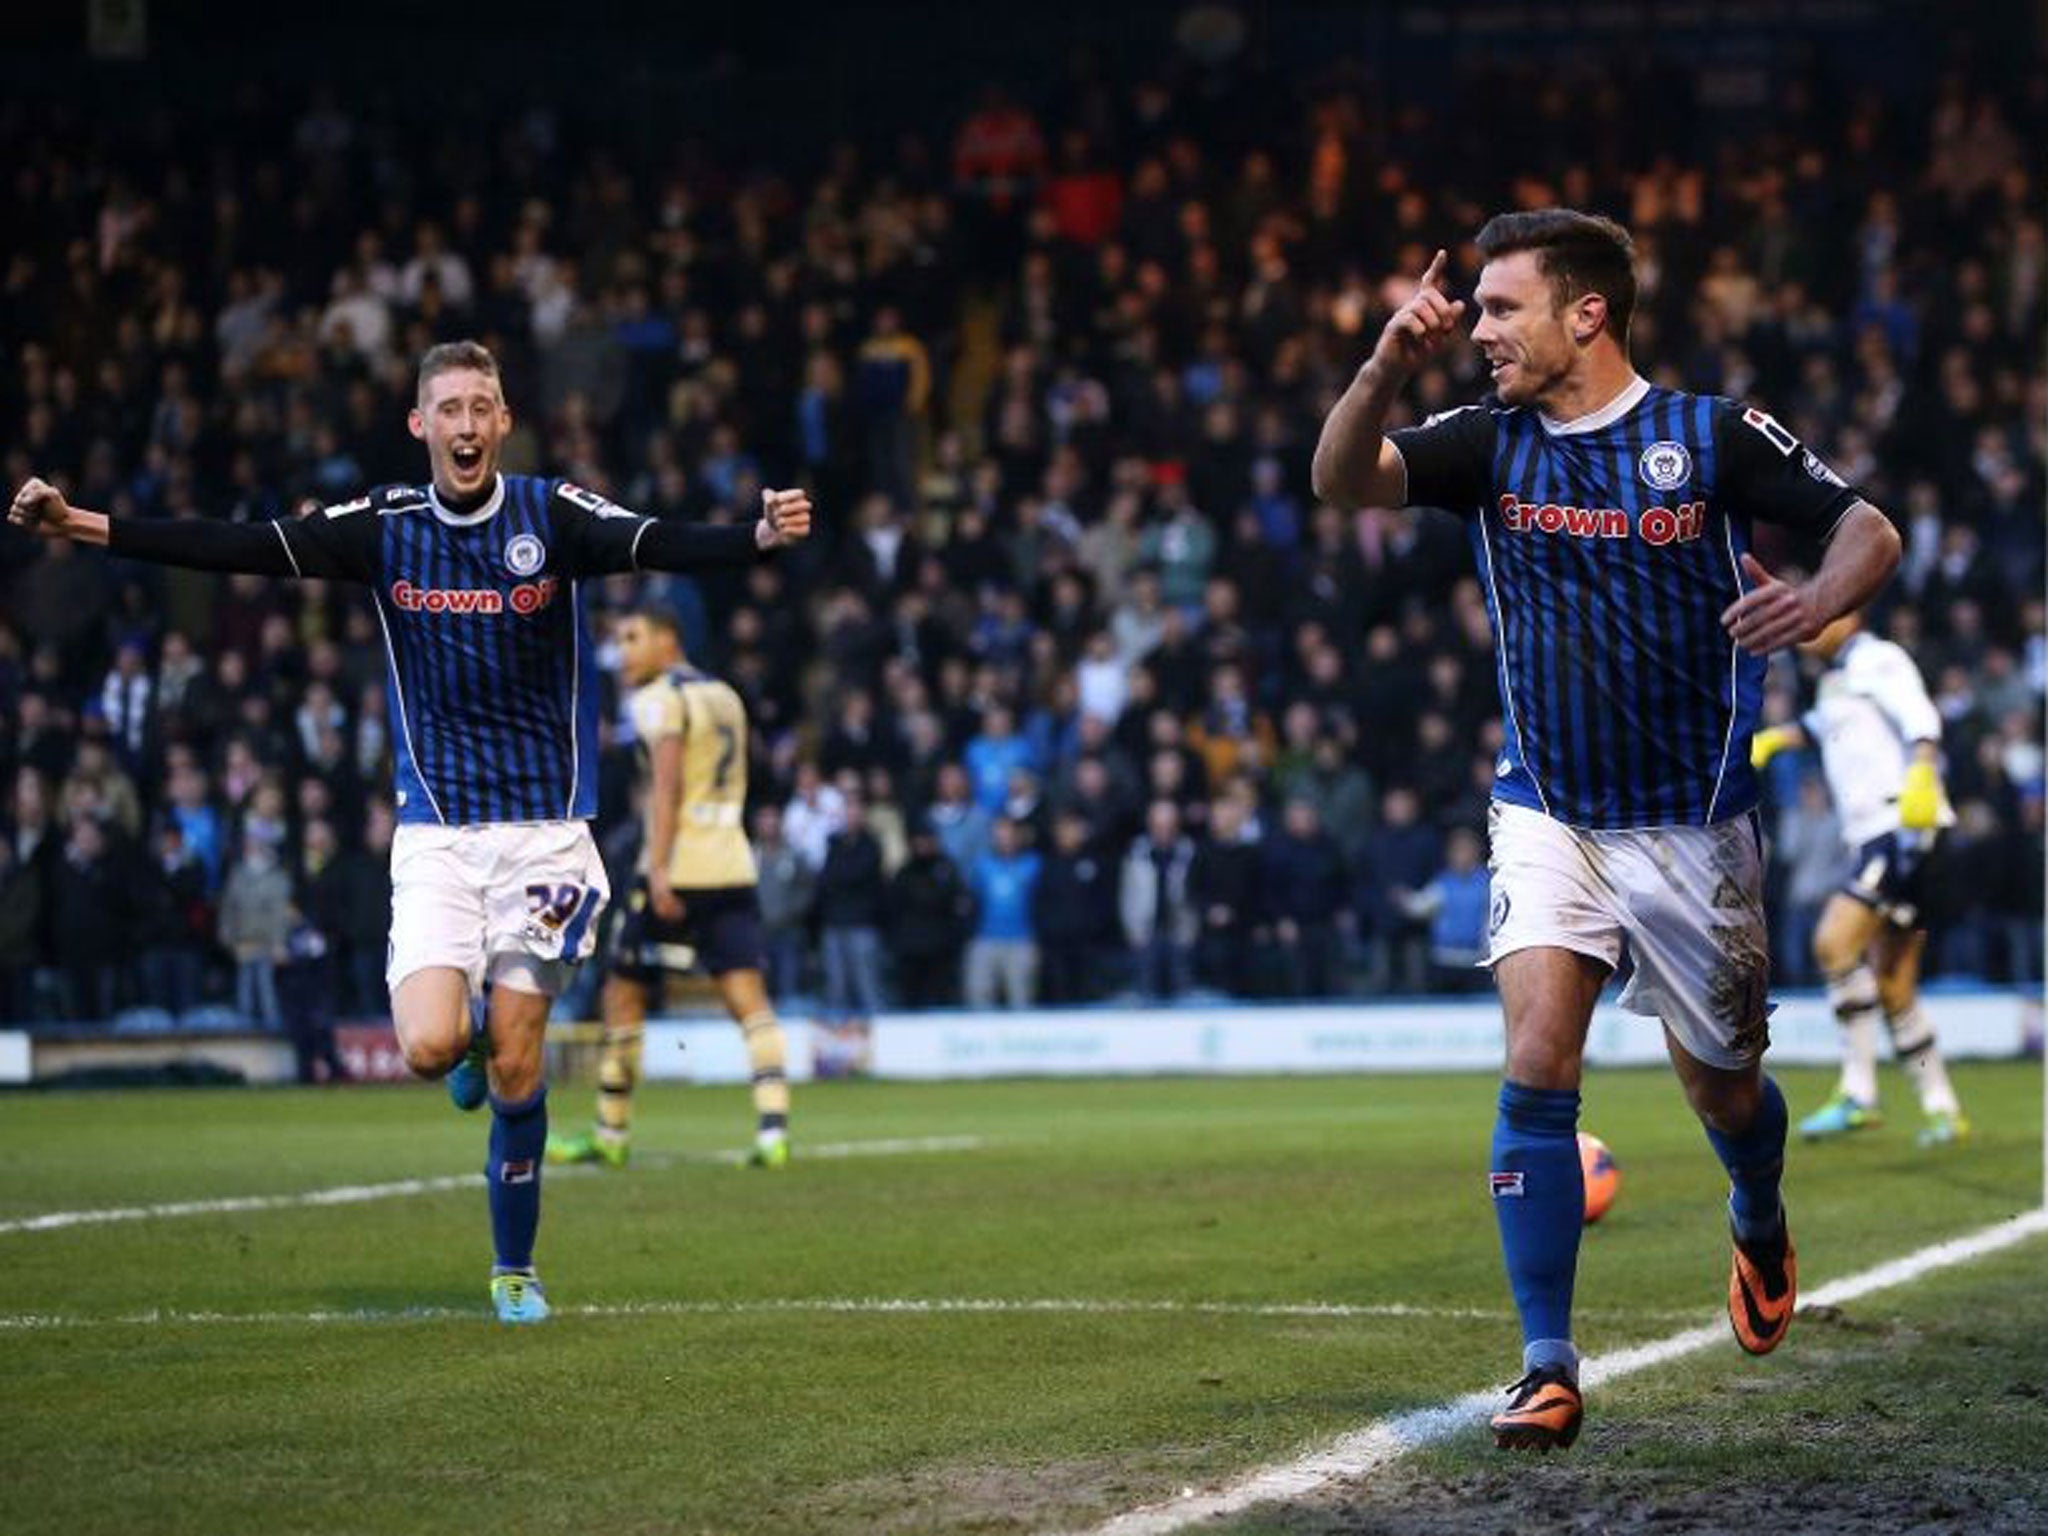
(962,826)
(1305,894)
(1808,843)
(998,157)
(1230,735)
(174,923)
(90,915)
(892,386)
(97,782)
(1226,886)
(125,700)
(816,811)
(1454,904)
(787,887)
(255,920)
(1160,919)
(305,1001)
(992,756)
(852,901)
(198,823)
(931,914)
(1401,857)
(1073,912)
(884,815)
(346,899)
(1181,547)
(1002,959)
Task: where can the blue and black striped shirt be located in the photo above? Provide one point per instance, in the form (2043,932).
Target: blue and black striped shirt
(1609,548)
(492,676)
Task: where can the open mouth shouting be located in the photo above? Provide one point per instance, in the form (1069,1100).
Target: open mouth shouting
(467,461)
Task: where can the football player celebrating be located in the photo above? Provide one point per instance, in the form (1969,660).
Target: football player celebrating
(1610,521)
(1880,746)
(477,578)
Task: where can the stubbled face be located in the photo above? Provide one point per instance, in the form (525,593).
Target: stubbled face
(644,650)
(463,421)
(1525,335)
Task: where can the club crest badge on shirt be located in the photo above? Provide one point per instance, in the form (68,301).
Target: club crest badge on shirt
(1665,466)
(525,554)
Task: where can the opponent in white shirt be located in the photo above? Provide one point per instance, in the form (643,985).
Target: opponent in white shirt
(1879,737)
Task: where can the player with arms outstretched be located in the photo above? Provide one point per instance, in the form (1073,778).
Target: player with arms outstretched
(1610,520)
(696,898)
(477,579)
(1880,746)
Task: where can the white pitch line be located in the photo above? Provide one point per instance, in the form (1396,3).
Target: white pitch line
(901,1146)
(346,1194)
(871,1306)
(356,1194)
(1372,1448)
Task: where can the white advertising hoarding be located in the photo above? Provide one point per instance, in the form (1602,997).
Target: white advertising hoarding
(16,1056)
(1377,1037)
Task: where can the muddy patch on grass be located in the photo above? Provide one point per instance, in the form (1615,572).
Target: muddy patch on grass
(1512,1504)
(989,1500)
(1874,1427)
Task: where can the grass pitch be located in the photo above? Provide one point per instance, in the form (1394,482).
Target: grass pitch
(1091,1295)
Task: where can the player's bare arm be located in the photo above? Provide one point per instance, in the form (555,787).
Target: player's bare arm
(1861,556)
(1355,465)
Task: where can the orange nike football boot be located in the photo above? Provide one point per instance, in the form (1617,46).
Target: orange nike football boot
(1544,1410)
(1763,1288)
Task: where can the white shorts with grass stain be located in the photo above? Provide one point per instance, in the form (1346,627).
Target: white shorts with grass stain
(1681,907)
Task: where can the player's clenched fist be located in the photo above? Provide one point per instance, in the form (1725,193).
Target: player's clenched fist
(39,507)
(1421,327)
(785,518)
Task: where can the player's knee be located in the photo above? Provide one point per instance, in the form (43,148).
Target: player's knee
(1834,953)
(431,1055)
(516,1074)
(1838,944)
(1537,1060)
(1727,1105)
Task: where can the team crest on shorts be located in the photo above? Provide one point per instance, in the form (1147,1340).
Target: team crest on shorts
(1665,466)
(1497,918)
(525,554)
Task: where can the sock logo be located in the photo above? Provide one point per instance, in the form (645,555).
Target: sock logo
(1505,1185)
(520,1171)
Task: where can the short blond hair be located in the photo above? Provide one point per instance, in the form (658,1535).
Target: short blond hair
(448,356)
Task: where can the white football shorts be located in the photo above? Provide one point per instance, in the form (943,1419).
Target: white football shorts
(1684,904)
(518,901)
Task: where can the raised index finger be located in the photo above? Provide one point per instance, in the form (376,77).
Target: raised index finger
(1434,277)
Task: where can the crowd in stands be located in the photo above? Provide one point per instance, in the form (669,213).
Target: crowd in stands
(1078,692)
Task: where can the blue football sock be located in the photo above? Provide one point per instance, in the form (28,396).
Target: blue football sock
(1539,1199)
(519,1134)
(1755,1161)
